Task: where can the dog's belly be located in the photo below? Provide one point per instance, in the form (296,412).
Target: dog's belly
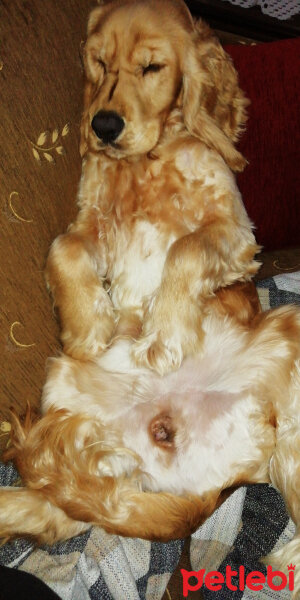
(214,445)
(136,262)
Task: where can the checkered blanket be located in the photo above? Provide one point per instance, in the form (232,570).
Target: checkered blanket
(95,565)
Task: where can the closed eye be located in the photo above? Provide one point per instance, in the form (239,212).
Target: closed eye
(152,68)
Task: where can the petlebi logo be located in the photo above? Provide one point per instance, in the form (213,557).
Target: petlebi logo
(255,580)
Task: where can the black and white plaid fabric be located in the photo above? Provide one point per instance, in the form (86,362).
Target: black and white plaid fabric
(95,565)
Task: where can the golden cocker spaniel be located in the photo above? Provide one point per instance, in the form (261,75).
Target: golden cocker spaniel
(161,224)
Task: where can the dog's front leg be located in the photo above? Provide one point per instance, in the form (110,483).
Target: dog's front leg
(217,255)
(75,270)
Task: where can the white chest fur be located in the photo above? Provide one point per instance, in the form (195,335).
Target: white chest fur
(143,207)
(136,263)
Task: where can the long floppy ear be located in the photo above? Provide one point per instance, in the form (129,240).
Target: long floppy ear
(214,107)
(85,119)
(92,69)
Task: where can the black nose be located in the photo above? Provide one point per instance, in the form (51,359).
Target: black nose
(107,125)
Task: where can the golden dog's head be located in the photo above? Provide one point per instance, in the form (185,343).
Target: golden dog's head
(144,58)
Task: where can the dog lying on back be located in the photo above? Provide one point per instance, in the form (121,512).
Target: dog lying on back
(161,224)
(145,456)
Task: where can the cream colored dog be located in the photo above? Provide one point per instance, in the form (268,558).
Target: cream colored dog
(161,224)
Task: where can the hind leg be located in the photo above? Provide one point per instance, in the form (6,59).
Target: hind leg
(25,512)
(285,475)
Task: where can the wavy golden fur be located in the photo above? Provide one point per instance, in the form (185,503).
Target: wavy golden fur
(161,224)
(160,236)
(152,457)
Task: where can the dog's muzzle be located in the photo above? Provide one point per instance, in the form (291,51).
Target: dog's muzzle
(107,125)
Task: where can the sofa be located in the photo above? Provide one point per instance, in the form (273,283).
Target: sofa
(41,76)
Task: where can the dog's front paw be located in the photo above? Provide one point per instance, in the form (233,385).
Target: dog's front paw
(88,344)
(154,352)
(89,335)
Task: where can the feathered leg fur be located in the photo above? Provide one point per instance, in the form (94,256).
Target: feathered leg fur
(65,495)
